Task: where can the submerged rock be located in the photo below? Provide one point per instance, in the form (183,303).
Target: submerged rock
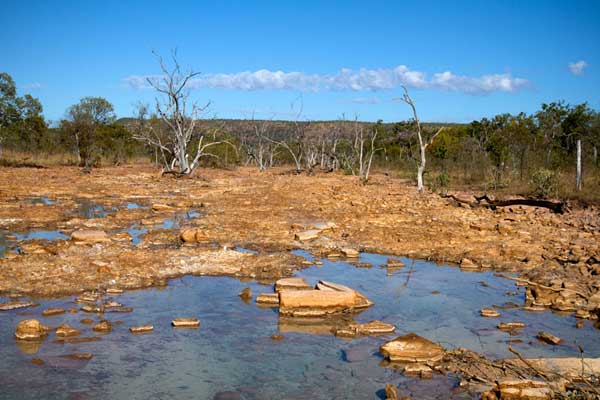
(509,326)
(548,338)
(186,322)
(141,329)
(412,348)
(67,331)
(369,328)
(53,311)
(489,313)
(246,294)
(31,329)
(90,236)
(103,326)
(14,305)
(292,284)
(394,264)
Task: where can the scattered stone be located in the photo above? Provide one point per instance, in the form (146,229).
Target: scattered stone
(53,311)
(14,305)
(193,235)
(114,291)
(271,299)
(246,294)
(67,331)
(31,329)
(489,313)
(112,304)
(418,369)
(350,252)
(369,328)
(92,309)
(509,326)
(311,303)
(548,338)
(524,389)
(392,263)
(277,337)
(412,348)
(534,308)
(361,300)
(465,263)
(391,392)
(307,235)
(186,322)
(87,321)
(363,265)
(141,329)
(120,310)
(37,361)
(292,284)
(90,236)
(103,326)
(161,207)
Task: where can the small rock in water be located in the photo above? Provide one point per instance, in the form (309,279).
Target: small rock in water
(489,313)
(392,263)
(37,361)
(112,304)
(14,305)
(418,369)
(87,321)
(186,322)
(509,326)
(114,291)
(465,263)
(350,252)
(277,337)
(31,329)
(103,326)
(548,338)
(141,329)
(53,311)
(271,299)
(246,294)
(66,331)
(292,284)
(412,348)
(369,328)
(391,392)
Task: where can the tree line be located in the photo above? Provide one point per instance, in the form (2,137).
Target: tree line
(552,151)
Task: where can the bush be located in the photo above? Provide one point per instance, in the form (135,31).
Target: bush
(545,183)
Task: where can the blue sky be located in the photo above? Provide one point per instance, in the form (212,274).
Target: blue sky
(461,60)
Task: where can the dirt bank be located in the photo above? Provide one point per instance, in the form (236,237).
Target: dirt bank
(264,212)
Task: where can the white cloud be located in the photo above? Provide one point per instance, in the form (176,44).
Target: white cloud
(32,86)
(578,67)
(348,80)
(366,100)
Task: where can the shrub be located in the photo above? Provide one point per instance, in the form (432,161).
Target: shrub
(545,183)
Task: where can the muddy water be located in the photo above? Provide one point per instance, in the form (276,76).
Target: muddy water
(233,350)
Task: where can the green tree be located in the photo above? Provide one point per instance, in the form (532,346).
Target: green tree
(83,126)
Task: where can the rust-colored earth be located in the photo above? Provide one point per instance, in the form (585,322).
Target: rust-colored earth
(265,212)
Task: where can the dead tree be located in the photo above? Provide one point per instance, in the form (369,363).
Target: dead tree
(422,143)
(186,145)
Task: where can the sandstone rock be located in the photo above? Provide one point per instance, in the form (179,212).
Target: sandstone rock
(103,326)
(314,302)
(369,328)
(193,235)
(87,321)
(418,369)
(349,252)
(67,331)
(523,390)
(509,326)
(465,263)
(186,322)
(114,291)
(141,329)
(412,348)
(391,263)
(90,236)
(489,313)
(271,299)
(292,284)
(31,329)
(161,207)
(307,235)
(361,300)
(14,305)
(548,338)
(391,393)
(246,294)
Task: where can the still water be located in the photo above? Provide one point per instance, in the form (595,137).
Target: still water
(232,355)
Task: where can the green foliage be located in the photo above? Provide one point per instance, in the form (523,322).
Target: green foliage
(545,183)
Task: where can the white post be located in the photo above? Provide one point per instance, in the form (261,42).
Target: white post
(578,179)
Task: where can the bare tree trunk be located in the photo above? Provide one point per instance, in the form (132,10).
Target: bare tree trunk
(578,178)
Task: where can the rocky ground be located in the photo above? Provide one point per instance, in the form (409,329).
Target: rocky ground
(127,227)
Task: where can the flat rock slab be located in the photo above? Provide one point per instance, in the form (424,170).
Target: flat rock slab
(489,313)
(90,236)
(14,305)
(370,328)
(314,302)
(141,329)
(53,311)
(271,299)
(292,284)
(412,348)
(305,236)
(186,322)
